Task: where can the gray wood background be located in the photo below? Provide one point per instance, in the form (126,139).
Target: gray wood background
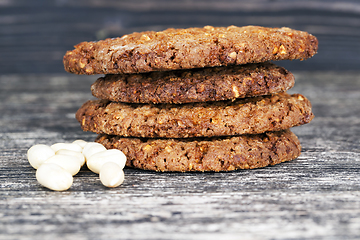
(316,196)
(34,35)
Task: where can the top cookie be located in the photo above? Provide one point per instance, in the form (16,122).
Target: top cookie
(174,49)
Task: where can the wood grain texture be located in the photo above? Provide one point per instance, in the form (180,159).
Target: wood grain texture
(34,35)
(316,196)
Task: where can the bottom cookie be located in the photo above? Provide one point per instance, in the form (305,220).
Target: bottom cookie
(206,154)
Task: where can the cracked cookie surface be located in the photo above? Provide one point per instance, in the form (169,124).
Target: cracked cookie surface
(206,154)
(223,118)
(195,85)
(174,49)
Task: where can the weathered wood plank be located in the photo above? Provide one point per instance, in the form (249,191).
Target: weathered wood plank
(316,196)
(34,35)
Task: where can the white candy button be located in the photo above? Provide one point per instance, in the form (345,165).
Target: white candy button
(96,161)
(79,155)
(38,154)
(69,146)
(91,148)
(70,164)
(80,142)
(111,174)
(54,177)
(57,164)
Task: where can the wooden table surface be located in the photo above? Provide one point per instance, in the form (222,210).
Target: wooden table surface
(316,196)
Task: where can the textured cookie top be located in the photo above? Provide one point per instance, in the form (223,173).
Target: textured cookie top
(223,118)
(195,85)
(206,154)
(173,49)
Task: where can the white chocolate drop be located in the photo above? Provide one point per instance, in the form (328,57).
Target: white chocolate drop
(38,154)
(80,142)
(79,155)
(54,177)
(69,146)
(96,161)
(91,148)
(111,175)
(71,164)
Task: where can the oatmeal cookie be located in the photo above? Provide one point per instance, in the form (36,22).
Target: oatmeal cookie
(194,85)
(223,118)
(206,154)
(174,49)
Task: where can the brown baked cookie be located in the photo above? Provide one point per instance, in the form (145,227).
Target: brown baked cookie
(206,154)
(173,49)
(224,118)
(195,85)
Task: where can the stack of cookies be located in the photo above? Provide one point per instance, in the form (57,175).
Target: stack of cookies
(197,99)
